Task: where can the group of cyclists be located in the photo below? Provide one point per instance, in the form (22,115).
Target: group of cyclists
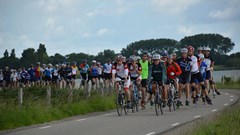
(191,74)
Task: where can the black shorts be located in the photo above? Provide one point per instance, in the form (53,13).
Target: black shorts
(94,77)
(84,76)
(48,78)
(185,78)
(144,83)
(100,76)
(196,76)
(107,76)
(73,76)
(208,75)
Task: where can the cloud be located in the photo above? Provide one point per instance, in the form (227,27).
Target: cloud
(53,29)
(86,35)
(102,32)
(226,13)
(185,30)
(172,6)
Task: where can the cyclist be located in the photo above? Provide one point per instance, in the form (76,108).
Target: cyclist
(174,56)
(164,56)
(94,73)
(158,74)
(68,75)
(7,77)
(120,71)
(173,71)
(48,73)
(135,71)
(195,74)
(100,75)
(200,50)
(184,78)
(83,72)
(210,64)
(145,67)
(74,73)
(38,73)
(55,75)
(31,72)
(107,68)
(61,73)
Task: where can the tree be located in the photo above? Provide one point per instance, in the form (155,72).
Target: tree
(28,57)
(151,46)
(6,54)
(57,58)
(13,55)
(79,57)
(218,43)
(42,54)
(105,55)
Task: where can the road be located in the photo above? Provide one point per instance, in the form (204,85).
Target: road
(144,122)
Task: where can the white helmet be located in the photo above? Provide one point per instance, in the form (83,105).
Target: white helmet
(201,56)
(94,61)
(156,56)
(184,50)
(206,49)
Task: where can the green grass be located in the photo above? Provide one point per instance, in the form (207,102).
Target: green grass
(227,123)
(36,111)
(229,85)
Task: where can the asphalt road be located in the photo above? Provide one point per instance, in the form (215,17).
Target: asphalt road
(144,122)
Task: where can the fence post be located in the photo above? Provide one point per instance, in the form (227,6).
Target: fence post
(20,97)
(49,95)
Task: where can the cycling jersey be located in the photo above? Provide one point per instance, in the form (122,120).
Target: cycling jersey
(184,64)
(120,70)
(194,64)
(14,77)
(7,75)
(100,69)
(48,72)
(107,68)
(74,70)
(132,70)
(203,68)
(94,71)
(208,60)
(84,68)
(175,68)
(158,72)
(68,73)
(145,68)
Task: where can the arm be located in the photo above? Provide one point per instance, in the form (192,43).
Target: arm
(179,71)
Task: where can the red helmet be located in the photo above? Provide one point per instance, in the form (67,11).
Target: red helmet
(190,48)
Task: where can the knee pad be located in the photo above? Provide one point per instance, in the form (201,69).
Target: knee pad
(203,87)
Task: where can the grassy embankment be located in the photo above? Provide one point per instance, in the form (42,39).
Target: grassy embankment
(36,111)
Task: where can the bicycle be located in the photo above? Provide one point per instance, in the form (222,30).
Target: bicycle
(172,96)
(158,99)
(135,97)
(120,98)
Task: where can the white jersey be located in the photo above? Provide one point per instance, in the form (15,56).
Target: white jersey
(14,77)
(1,77)
(107,68)
(100,69)
(194,64)
(120,70)
(132,70)
(208,61)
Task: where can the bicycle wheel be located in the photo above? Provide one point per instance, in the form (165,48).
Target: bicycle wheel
(119,104)
(124,105)
(158,105)
(174,105)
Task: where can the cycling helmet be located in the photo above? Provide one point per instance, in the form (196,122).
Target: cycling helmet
(38,63)
(98,63)
(94,61)
(56,65)
(74,63)
(206,49)
(134,58)
(184,50)
(201,56)
(145,53)
(164,53)
(85,61)
(43,65)
(138,57)
(156,57)
(174,54)
(118,57)
(149,55)
(49,64)
(200,48)
(190,48)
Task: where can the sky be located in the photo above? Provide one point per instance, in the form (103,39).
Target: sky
(91,26)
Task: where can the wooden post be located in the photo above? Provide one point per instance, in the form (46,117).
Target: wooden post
(49,96)
(20,97)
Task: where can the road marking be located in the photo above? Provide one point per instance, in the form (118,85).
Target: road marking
(231,100)
(231,96)
(107,114)
(226,93)
(45,127)
(152,133)
(175,124)
(197,116)
(225,104)
(80,120)
(214,110)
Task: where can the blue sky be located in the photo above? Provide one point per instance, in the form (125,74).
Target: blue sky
(90,26)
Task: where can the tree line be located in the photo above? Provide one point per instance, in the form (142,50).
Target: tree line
(219,45)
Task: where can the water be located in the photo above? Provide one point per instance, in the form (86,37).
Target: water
(217,75)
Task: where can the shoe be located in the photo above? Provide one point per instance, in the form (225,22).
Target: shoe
(169,103)
(143,104)
(151,102)
(187,103)
(179,103)
(214,94)
(218,93)
(194,101)
(209,101)
(164,104)
(128,105)
(204,99)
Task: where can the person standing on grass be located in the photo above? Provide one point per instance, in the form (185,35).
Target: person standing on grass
(38,74)
(107,69)
(83,72)
(7,77)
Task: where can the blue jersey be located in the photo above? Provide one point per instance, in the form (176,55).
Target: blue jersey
(84,68)
(203,68)
(48,72)
(94,71)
